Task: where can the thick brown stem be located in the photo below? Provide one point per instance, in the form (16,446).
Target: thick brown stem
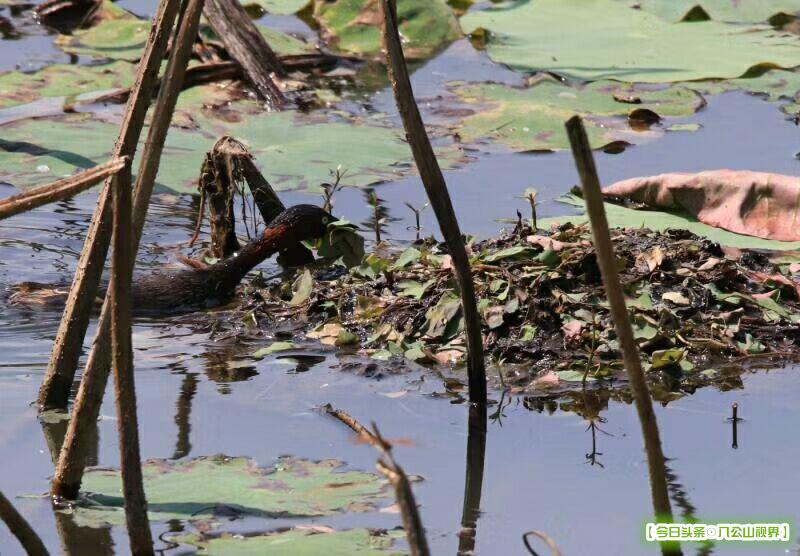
(21,529)
(141,539)
(68,475)
(436,188)
(247,45)
(593,196)
(54,393)
(59,190)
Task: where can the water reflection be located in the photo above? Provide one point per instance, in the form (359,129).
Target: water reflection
(183,413)
(75,540)
(473,479)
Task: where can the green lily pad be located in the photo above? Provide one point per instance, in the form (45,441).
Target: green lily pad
(296,151)
(122,36)
(532,118)
(216,485)
(285,44)
(63,80)
(353,26)
(117,39)
(605,39)
(775,85)
(622,217)
(735,11)
(297,542)
(281,7)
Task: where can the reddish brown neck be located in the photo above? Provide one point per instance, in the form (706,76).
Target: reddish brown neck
(232,270)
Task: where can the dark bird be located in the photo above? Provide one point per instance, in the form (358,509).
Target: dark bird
(210,285)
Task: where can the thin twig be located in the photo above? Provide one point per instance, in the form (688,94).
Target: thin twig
(59,190)
(412,523)
(351,422)
(439,197)
(593,197)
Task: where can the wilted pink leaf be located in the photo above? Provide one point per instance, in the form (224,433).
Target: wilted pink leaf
(548,380)
(753,203)
(572,329)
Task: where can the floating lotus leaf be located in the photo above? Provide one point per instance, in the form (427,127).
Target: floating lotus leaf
(736,11)
(297,542)
(296,151)
(597,39)
(354,26)
(123,37)
(622,217)
(776,85)
(532,118)
(116,39)
(281,7)
(219,485)
(284,44)
(62,80)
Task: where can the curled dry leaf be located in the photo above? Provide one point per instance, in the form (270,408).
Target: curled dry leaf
(758,204)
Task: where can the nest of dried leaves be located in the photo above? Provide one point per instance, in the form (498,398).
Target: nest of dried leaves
(695,307)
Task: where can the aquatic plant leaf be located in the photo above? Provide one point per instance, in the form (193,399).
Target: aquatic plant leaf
(281,7)
(342,241)
(623,217)
(302,288)
(442,319)
(334,334)
(407,257)
(306,541)
(608,40)
(285,44)
(353,26)
(754,203)
(666,357)
(116,39)
(516,252)
(275,347)
(734,11)
(412,288)
(123,37)
(63,80)
(220,485)
(532,118)
(296,151)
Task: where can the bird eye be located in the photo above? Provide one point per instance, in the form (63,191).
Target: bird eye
(325,219)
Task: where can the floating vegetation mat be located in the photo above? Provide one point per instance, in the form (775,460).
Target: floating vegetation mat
(698,310)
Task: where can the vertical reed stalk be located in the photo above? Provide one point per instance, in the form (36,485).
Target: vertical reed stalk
(55,389)
(68,475)
(141,540)
(584,161)
(436,188)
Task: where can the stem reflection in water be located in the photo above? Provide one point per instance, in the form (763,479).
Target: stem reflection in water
(473,478)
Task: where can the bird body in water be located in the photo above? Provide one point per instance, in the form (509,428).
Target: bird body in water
(215,284)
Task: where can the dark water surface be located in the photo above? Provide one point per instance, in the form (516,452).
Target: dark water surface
(538,469)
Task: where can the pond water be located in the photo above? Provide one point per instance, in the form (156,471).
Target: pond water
(586,487)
